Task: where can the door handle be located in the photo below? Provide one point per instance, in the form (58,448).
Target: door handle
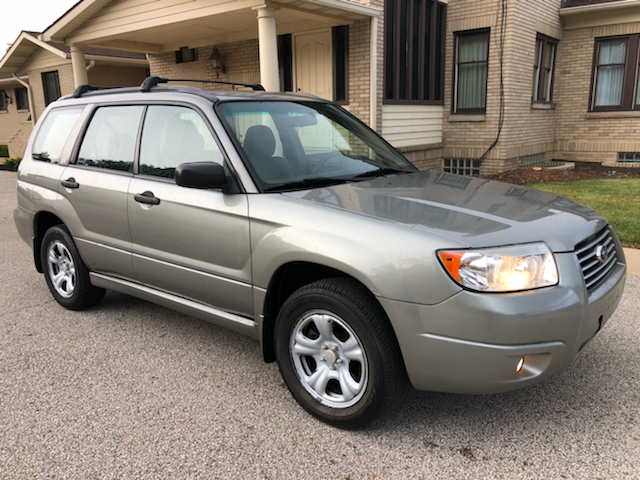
(70,183)
(147,197)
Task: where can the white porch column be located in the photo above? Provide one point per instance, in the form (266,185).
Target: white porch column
(268,49)
(79,65)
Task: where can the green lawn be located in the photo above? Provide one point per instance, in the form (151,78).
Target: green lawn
(616,199)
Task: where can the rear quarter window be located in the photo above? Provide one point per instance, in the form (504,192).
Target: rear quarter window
(54,133)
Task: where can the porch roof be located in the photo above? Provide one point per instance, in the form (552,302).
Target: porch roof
(167,25)
(28,43)
(580,14)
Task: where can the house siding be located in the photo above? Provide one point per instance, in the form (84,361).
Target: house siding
(410,125)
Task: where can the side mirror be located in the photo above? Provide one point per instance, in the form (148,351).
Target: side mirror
(201,175)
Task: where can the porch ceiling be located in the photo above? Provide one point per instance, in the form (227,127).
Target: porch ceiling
(167,25)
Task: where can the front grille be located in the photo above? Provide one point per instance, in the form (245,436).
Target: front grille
(594,269)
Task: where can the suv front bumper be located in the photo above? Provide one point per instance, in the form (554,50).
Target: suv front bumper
(472,342)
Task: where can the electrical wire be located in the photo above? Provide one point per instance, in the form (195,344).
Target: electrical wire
(503,22)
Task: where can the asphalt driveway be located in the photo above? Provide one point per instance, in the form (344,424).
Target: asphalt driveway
(131,390)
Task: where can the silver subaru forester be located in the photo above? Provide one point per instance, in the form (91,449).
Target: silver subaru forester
(285,218)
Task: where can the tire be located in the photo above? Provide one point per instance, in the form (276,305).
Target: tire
(66,274)
(337,353)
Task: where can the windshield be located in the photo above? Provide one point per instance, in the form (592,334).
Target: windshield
(294,145)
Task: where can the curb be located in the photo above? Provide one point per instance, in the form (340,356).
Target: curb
(633,261)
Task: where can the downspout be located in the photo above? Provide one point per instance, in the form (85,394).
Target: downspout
(92,64)
(32,107)
(373,90)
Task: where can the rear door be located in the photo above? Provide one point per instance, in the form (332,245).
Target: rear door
(189,242)
(93,190)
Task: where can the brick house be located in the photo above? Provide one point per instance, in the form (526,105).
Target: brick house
(460,85)
(33,73)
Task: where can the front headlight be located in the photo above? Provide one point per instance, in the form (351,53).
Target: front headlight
(502,269)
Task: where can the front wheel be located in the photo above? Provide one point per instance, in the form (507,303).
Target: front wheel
(337,353)
(66,274)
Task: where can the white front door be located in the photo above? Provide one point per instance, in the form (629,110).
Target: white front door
(313,65)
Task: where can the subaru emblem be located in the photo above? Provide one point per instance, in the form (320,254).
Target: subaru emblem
(602,253)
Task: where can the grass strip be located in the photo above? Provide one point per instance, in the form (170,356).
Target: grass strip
(618,200)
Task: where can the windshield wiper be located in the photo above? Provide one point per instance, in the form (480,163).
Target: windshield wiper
(308,183)
(381,172)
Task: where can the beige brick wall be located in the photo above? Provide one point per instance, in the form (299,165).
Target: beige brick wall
(526,131)
(241,59)
(360,71)
(108,75)
(67,86)
(424,157)
(18,142)
(104,75)
(582,136)
(243,66)
(11,119)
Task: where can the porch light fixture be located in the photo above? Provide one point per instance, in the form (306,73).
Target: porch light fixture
(217,62)
(7,98)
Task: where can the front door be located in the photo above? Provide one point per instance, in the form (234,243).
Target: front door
(187,241)
(313,65)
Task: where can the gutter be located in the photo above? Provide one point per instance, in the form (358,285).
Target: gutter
(32,107)
(120,61)
(598,7)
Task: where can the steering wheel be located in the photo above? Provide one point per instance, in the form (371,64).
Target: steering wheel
(325,159)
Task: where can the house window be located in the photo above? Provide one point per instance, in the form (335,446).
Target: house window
(3,101)
(471,70)
(543,67)
(461,166)
(615,68)
(22,98)
(414,51)
(51,86)
(186,54)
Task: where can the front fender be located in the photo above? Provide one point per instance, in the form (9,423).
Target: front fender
(398,265)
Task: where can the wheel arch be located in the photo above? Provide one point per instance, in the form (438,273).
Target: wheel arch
(287,279)
(43,221)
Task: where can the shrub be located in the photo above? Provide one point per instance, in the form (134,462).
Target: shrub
(13,162)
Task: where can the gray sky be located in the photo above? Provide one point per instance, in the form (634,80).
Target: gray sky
(33,15)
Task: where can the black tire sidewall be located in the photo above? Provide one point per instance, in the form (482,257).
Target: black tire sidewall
(367,408)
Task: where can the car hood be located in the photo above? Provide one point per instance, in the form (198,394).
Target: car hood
(471,211)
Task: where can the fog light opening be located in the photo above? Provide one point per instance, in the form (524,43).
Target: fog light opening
(520,365)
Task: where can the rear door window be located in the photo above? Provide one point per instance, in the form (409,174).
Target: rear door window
(54,133)
(110,140)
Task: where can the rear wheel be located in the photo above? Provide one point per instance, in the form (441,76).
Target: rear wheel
(66,274)
(337,353)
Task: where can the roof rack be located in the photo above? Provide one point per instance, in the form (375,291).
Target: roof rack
(151,82)
(82,89)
